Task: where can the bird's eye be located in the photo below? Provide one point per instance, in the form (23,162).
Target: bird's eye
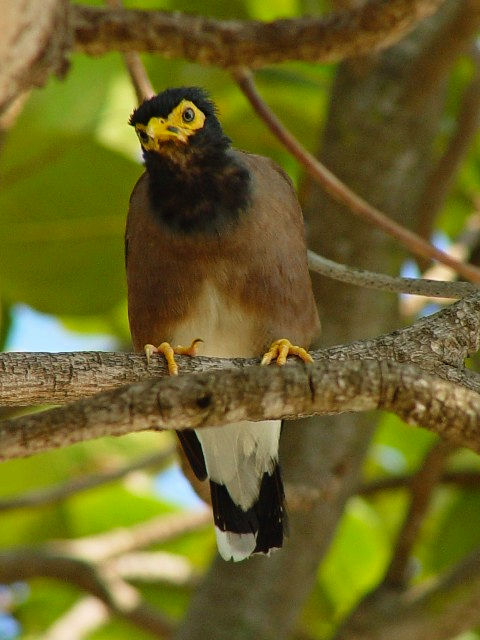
(143,136)
(188,115)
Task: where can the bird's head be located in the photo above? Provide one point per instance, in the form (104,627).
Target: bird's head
(178,123)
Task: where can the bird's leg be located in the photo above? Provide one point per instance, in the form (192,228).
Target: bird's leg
(280,349)
(169,353)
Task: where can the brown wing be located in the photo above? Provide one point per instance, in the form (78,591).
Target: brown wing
(277,281)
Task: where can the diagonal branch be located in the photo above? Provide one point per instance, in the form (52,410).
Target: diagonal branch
(104,546)
(336,188)
(372,26)
(51,495)
(440,611)
(84,617)
(136,69)
(120,597)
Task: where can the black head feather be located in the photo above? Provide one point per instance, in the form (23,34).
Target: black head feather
(162,104)
(200,186)
(206,140)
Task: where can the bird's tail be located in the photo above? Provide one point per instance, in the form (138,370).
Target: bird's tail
(259,529)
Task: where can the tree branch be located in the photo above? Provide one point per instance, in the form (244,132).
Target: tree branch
(123,540)
(440,611)
(371,27)
(439,344)
(51,495)
(254,393)
(156,566)
(372,280)
(119,596)
(135,67)
(462,479)
(339,190)
(84,617)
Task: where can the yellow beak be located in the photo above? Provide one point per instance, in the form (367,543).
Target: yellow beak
(160,130)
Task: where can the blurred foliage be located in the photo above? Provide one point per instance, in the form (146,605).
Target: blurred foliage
(67,169)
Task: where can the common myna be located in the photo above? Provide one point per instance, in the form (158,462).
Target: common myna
(215,249)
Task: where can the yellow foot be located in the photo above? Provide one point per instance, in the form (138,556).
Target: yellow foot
(169,353)
(280,349)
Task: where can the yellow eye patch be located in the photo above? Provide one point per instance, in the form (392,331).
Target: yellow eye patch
(182,122)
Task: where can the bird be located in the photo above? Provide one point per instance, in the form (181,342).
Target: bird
(215,253)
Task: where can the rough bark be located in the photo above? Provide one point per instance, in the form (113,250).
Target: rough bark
(223,397)
(438,344)
(374,25)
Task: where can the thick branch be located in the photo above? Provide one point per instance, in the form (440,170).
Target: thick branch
(439,344)
(253,393)
(373,26)
(118,595)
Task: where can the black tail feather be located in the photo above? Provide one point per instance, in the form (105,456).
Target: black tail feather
(266,518)
(193,450)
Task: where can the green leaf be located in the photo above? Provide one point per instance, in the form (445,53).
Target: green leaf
(457,534)
(66,256)
(357,557)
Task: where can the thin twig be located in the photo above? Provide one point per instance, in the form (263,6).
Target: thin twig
(339,190)
(51,495)
(155,566)
(136,69)
(371,280)
(123,540)
(462,479)
(461,249)
(84,617)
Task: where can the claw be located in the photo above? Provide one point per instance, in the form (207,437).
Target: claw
(281,349)
(149,351)
(169,354)
(166,349)
(188,351)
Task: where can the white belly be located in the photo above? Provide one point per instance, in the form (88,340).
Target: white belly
(225,328)
(239,454)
